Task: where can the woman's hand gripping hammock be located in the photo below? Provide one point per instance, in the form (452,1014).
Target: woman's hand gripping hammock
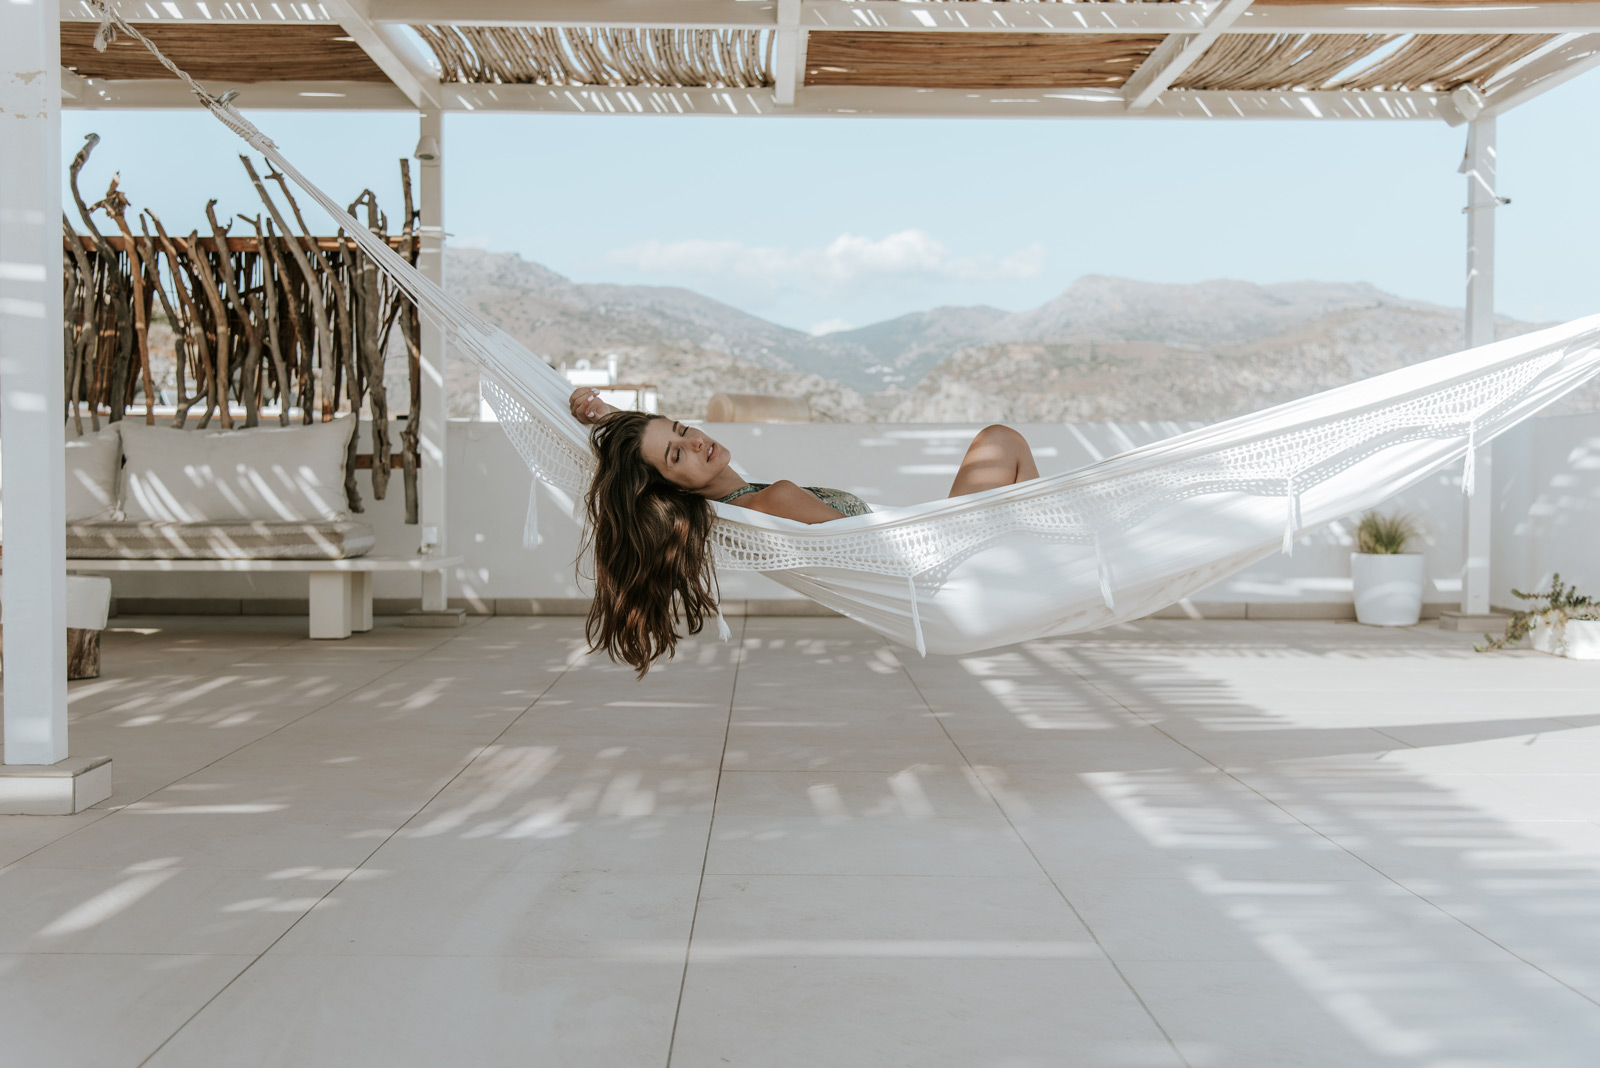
(587,407)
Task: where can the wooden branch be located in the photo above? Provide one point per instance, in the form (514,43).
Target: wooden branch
(269,267)
(180,326)
(111,332)
(84,299)
(115,205)
(319,311)
(192,321)
(217,393)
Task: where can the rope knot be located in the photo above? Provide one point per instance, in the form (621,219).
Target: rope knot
(107,30)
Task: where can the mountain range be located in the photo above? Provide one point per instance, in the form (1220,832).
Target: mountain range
(1105,348)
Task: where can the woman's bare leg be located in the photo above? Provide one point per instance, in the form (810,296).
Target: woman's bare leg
(998,456)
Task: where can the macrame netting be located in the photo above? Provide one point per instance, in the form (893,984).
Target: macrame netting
(1075,551)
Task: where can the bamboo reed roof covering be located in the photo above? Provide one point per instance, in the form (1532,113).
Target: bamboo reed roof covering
(225,51)
(519,55)
(976,61)
(512,55)
(1251,62)
(1180,58)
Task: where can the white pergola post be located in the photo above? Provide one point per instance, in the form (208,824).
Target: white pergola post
(37,776)
(1482,200)
(431,504)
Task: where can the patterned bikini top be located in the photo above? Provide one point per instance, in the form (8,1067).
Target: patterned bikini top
(838,500)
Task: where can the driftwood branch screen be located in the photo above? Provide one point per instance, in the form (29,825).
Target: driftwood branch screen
(267,322)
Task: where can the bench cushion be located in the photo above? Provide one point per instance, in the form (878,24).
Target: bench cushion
(259,540)
(274,474)
(91,470)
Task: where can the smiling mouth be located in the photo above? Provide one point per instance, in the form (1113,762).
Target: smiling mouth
(711,451)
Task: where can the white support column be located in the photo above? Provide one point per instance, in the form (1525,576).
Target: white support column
(1482,200)
(431,511)
(38,777)
(31,465)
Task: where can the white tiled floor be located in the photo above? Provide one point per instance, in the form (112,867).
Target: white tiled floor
(1214,845)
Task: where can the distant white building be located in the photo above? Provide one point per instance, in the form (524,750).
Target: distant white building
(630,396)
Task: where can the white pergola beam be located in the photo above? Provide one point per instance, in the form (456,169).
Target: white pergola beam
(1069,16)
(73,87)
(1419,18)
(788,71)
(99,94)
(848,101)
(261,12)
(1175,55)
(1556,67)
(1059,17)
(392,52)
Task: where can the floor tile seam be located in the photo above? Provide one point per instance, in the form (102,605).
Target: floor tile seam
(1127,983)
(1516,957)
(344,878)
(694,912)
(1373,866)
(156,789)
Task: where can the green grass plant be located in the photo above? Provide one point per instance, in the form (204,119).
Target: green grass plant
(1384,535)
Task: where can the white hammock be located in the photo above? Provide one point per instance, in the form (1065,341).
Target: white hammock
(1109,542)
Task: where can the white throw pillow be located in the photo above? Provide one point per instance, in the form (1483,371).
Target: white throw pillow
(293,473)
(91,469)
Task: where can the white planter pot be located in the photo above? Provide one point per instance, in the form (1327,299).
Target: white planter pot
(1388,587)
(1582,639)
(1548,635)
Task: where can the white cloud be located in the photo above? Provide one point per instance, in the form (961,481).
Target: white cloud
(847,259)
(829,326)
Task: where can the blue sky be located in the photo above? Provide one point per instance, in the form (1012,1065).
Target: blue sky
(819,223)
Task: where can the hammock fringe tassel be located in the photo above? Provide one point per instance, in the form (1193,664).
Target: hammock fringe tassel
(1292,523)
(916,616)
(1105,576)
(723,633)
(530,522)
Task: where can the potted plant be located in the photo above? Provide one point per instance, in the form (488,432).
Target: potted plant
(1387,580)
(1562,622)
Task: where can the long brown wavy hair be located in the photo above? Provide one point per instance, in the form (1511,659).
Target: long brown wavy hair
(652,550)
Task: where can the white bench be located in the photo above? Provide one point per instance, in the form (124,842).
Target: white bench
(341,590)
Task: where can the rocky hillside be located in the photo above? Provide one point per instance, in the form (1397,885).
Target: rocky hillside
(1106,348)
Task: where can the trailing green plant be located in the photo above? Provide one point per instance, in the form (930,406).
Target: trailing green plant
(1385,535)
(1561,601)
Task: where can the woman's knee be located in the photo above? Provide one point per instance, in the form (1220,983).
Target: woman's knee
(1002,435)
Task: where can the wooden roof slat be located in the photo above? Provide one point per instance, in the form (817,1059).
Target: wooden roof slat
(284,52)
(976,61)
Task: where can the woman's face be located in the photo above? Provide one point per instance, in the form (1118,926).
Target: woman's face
(684,455)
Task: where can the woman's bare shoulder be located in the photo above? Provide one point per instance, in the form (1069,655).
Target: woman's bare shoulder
(790,501)
(773,498)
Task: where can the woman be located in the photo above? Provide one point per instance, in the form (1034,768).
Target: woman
(649,518)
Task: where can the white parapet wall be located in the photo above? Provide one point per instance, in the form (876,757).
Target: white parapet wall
(1546,506)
